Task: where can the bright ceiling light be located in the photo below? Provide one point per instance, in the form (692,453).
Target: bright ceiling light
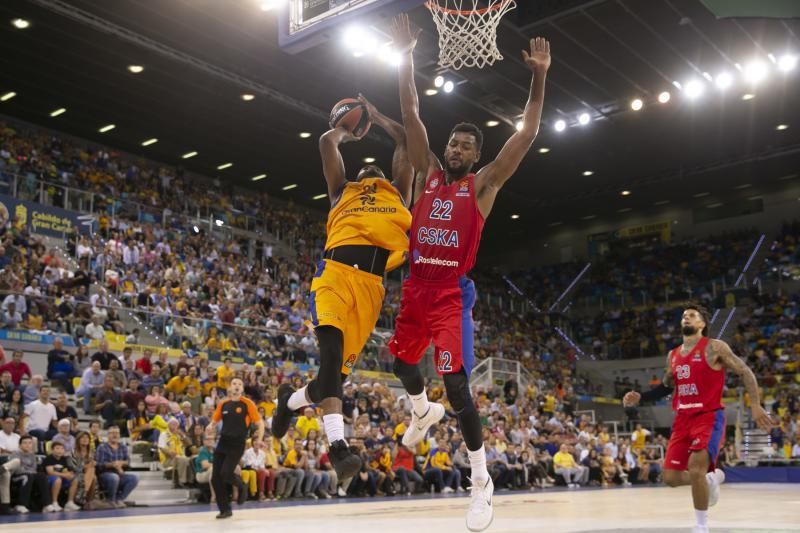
(319,197)
(218,222)
(135,69)
(369,160)
(8,96)
(787,62)
(723,80)
(748,96)
(431,92)
(223,166)
(290,187)
(304,135)
(583,119)
(587,172)
(438,81)
(560,125)
(677,85)
(148,142)
(519,125)
(781,127)
(625,193)
(259,177)
(544,150)
(664,97)
(694,88)
(514,217)
(492,123)
(21,24)
(360,41)
(449,86)
(188,155)
(637,104)
(269,5)
(59,111)
(247,97)
(755,71)
(107,127)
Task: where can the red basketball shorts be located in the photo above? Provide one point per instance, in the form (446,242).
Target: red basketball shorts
(693,432)
(439,313)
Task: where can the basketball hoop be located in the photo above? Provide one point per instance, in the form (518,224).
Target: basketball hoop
(468,37)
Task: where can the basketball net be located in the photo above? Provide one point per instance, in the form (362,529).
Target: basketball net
(468,37)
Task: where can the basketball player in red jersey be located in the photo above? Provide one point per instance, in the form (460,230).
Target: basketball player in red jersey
(451,205)
(695,376)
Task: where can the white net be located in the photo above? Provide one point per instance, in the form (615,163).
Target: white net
(468,31)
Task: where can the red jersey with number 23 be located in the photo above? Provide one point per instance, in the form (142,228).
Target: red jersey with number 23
(445,229)
(698,387)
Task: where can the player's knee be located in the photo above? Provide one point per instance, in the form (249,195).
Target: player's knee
(457,387)
(672,478)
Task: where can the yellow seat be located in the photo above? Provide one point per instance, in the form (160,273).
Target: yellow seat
(76,382)
(48,447)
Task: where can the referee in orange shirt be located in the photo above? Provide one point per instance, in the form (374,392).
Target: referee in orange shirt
(237,415)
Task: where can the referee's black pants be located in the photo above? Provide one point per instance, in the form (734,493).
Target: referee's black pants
(226,459)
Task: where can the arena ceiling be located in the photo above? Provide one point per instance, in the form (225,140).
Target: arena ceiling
(200,56)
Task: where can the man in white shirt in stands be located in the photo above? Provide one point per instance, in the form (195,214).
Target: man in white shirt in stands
(91,383)
(41,417)
(95,329)
(9,441)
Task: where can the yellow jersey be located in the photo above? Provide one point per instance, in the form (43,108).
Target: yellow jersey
(370,212)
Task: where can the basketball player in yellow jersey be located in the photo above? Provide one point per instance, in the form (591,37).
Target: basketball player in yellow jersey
(367,228)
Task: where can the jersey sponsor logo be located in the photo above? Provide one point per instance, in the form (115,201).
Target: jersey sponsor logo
(463,188)
(695,442)
(369,209)
(368,193)
(690,405)
(435,261)
(438,237)
(351,361)
(688,389)
(434,183)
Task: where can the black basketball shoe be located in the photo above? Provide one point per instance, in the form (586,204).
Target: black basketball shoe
(346,463)
(283,415)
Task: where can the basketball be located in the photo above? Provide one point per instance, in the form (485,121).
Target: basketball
(351,115)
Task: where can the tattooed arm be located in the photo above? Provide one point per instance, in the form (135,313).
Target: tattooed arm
(719,353)
(665,389)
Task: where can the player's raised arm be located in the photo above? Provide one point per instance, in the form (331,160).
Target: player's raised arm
(495,174)
(419,153)
(721,353)
(332,162)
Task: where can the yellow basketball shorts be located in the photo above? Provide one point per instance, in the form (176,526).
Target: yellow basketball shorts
(348,299)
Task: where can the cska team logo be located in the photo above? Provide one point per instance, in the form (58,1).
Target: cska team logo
(463,188)
(434,183)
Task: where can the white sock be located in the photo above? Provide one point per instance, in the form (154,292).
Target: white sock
(702,518)
(298,399)
(334,427)
(419,403)
(477,462)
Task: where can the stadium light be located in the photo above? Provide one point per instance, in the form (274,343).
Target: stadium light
(148,142)
(748,96)
(492,123)
(438,81)
(59,111)
(514,217)
(369,160)
(8,96)
(269,5)
(304,135)
(664,97)
(359,41)
(259,177)
(519,125)
(223,166)
(723,80)
(560,125)
(588,172)
(625,193)
(544,150)
(637,104)
(787,62)
(449,86)
(188,155)
(107,127)
(21,24)
(135,69)
(694,89)
(247,97)
(584,118)
(290,187)
(431,92)
(781,127)
(755,71)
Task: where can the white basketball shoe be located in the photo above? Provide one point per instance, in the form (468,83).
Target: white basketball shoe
(421,424)
(481,512)
(715,479)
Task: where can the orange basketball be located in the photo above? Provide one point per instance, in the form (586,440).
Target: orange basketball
(351,115)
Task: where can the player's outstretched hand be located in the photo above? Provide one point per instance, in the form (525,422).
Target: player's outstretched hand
(371,109)
(631,398)
(539,57)
(404,39)
(761,418)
